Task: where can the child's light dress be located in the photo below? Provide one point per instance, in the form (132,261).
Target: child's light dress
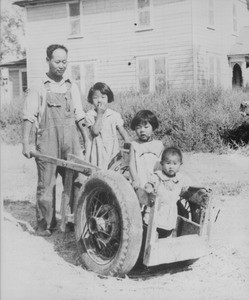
(105,146)
(167,193)
(147,158)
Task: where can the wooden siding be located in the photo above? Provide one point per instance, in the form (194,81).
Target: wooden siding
(110,38)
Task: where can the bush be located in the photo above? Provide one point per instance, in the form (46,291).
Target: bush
(190,119)
(193,120)
(11,120)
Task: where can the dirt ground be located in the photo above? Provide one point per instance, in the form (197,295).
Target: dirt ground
(37,268)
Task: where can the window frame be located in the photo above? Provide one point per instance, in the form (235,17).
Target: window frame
(81,34)
(138,27)
(152,74)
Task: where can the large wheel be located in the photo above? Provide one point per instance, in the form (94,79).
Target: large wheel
(108,224)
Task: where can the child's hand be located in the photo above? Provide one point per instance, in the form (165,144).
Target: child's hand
(101,108)
(149,188)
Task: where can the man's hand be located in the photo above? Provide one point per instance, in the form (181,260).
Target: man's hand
(26,150)
(136,184)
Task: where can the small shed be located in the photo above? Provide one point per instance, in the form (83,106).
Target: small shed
(13,79)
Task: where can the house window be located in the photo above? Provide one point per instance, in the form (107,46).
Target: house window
(143,14)
(211,21)
(74,19)
(214,69)
(151,73)
(84,75)
(234,18)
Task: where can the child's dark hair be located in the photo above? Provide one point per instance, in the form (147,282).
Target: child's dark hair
(52,48)
(143,117)
(171,151)
(103,88)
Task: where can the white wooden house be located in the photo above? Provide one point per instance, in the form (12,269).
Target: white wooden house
(144,45)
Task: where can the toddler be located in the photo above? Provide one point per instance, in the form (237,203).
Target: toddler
(145,152)
(167,184)
(104,125)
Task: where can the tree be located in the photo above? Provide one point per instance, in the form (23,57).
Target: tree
(12,31)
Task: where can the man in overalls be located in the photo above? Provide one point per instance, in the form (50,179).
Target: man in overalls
(54,105)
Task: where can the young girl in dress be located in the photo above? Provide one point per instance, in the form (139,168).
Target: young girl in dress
(145,152)
(104,125)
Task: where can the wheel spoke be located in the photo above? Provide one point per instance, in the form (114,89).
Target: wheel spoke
(95,205)
(106,248)
(104,232)
(106,212)
(85,230)
(96,215)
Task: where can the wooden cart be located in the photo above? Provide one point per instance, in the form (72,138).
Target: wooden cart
(108,224)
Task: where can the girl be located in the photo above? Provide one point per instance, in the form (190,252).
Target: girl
(103,124)
(145,152)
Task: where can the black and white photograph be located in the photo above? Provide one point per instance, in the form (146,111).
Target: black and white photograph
(124,149)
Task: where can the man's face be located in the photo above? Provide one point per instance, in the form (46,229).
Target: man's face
(58,62)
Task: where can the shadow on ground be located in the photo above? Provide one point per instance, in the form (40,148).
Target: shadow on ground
(65,244)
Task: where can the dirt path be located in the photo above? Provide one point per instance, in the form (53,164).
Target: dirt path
(36,268)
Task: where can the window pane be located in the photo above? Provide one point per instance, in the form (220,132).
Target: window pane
(211,18)
(143,3)
(144,18)
(89,76)
(218,70)
(160,83)
(144,84)
(160,65)
(234,10)
(211,64)
(211,12)
(75,70)
(143,68)
(74,9)
(74,26)
(24,81)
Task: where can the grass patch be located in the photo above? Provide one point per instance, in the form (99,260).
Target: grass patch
(193,120)
(227,189)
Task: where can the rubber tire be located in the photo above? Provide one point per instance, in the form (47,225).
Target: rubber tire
(131,223)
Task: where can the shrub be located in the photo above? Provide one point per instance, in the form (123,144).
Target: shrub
(190,119)
(193,120)
(11,120)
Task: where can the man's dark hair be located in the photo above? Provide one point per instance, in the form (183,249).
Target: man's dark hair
(103,88)
(54,47)
(171,151)
(143,117)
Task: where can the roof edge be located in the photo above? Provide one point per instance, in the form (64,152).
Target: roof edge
(24,3)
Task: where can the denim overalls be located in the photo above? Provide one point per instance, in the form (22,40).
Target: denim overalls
(57,136)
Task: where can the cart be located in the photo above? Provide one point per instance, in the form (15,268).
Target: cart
(109,229)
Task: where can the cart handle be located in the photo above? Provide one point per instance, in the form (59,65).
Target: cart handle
(85,168)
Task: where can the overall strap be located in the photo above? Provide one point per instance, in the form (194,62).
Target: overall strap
(47,86)
(68,85)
